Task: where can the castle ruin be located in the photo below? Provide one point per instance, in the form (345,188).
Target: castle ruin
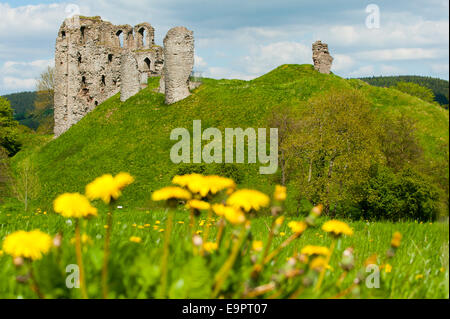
(321,57)
(95,60)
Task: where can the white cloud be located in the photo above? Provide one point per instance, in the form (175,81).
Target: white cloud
(342,62)
(17,84)
(199,62)
(267,57)
(402,54)
(226,73)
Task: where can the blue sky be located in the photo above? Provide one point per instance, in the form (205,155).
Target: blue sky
(245,38)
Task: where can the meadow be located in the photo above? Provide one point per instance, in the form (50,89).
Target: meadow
(418,268)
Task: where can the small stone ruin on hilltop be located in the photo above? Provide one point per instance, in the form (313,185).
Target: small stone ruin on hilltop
(321,57)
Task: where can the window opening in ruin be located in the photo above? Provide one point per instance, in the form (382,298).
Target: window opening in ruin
(82,33)
(63,34)
(83,80)
(110,56)
(120,36)
(103,80)
(79,58)
(142,36)
(147,63)
(96,103)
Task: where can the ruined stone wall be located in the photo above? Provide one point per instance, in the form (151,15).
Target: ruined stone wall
(88,67)
(321,57)
(178,63)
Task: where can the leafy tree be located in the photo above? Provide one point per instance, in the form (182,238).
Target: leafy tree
(44,103)
(9,137)
(417,90)
(332,147)
(399,143)
(404,196)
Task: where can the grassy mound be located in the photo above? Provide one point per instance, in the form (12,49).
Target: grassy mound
(134,136)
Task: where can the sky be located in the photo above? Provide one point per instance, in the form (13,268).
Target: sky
(244,39)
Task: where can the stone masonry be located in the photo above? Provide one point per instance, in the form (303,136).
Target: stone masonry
(178,64)
(321,57)
(94,60)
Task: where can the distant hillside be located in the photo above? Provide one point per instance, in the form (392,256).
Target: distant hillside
(23,105)
(133,136)
(439,87)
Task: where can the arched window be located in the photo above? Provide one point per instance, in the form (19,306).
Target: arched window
(147,64)
(119,35)
(142,40)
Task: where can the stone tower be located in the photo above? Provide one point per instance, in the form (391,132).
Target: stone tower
(321,57)
(88,65)
(178,64)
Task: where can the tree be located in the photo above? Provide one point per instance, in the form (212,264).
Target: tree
(417,90)
(44,103)
(400,145)
(333,146)
(283,118)
(9,137)
(26,185)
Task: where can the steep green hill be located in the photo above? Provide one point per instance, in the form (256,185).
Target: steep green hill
(134,136)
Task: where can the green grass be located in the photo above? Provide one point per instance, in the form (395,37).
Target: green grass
(135,273)
(134,136)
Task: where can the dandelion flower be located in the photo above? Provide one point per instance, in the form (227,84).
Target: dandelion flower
(234,215)
(297,227)
(31,245)
(257,245)
(279,221)
(248,199)
(280,193)
(74,205)
(135,239)
(311,250)
(171,192)
(388,268)
(210,246)
(197,204)
(107,187)
(337,228)
(204,185)
(318,264)
(419,276)
(396,239)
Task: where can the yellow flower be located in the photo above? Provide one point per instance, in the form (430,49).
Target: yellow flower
(135,239)
(107,187)
(74,205)
(282,234)
(234,215)
(318,264)
(257,245)
(180,222)
(387,268)
(279,221)
(280,193)
(311,250)
(171,192)
(248,199)
(420,276)
(30,245)
(197,204)
(210,246)
(203,185)
(219,209)
(1,253)
(337,227)
(297,227)
(396,239)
